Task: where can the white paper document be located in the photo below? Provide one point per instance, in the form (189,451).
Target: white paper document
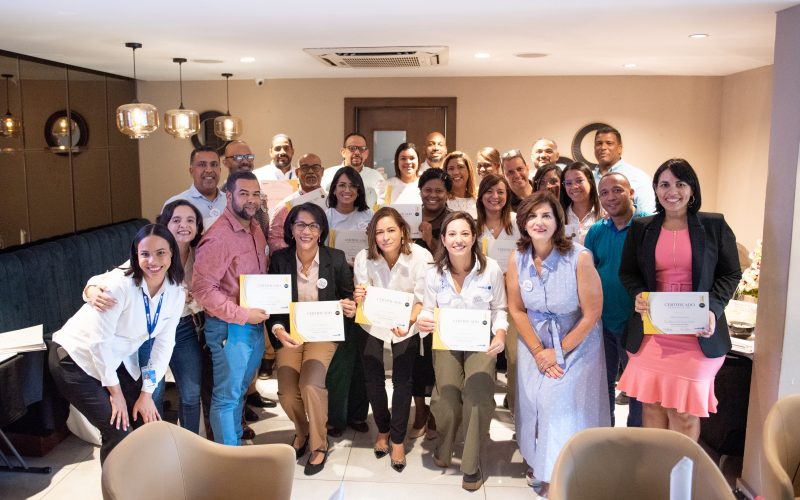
(677,313)
(24,340)
(270,292)
(499,250)
(316,196)
(317,321)
(385,308)
(349,242)
(412,215)
(462,329)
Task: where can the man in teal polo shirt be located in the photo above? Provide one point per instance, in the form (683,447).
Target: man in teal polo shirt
(605,239)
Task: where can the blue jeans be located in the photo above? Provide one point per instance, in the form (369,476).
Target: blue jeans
(186,367)
(616,355)
(236,352)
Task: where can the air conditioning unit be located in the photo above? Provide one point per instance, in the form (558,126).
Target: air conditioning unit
(380,57)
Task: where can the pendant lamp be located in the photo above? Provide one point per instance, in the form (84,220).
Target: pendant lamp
(136,120)
(228,127)
(11,126)
(181,123)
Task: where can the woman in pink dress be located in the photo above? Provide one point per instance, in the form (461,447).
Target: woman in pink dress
(678,250)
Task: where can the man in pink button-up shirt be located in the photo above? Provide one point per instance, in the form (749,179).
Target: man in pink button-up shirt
(233,246)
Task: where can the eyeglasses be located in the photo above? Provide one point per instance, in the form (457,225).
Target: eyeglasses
(302,226)
(349,187)
(249,157)
(309,168)
(576,182)
(512,153)
(353,149)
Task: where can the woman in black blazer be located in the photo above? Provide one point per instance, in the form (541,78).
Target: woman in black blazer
(323,275)
(680,250)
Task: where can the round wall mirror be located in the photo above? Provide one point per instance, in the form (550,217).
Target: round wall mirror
(577,142)
(205,136)
(66,131)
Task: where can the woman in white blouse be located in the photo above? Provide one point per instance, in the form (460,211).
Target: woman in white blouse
(580,200)
(462,196)
(402,188)
(393,262)
(463,278)
(347,202)
(94,357)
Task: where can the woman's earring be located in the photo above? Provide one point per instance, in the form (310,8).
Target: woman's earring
(691,200)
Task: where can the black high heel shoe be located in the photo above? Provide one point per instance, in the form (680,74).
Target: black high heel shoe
(380,452)
(398,465)
(311,469)
(299,452)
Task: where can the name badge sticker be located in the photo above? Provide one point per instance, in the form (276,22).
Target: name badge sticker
(527,285)
(322,283)
(214,212)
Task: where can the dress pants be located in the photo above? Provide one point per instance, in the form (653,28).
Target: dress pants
(347,391)
(236,352)
(186,366)
(616,355)
(463,394)
(301,389)
(88,395)
(404,356)
(423,377)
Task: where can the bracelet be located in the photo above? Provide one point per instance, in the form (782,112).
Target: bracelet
(536,349)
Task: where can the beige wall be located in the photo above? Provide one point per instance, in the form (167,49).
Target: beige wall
(659,117)
(743,150)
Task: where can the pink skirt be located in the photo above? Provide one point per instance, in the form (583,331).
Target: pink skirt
(673,371)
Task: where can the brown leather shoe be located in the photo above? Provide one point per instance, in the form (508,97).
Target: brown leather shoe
(248,432)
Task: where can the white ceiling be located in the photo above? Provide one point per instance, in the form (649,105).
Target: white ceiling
(581,37)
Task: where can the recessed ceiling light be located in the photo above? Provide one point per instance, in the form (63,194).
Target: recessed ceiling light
(629,65)
(530,55)
(699,35)
(247,59)
(207,61)
(482,55)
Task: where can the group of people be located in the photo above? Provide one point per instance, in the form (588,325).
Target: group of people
(559,255)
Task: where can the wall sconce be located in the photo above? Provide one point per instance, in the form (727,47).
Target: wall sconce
(181,123)
(10,126)
(226,126)
(136,120)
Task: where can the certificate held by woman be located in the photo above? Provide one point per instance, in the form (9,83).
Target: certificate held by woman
(462,329)
(316,321)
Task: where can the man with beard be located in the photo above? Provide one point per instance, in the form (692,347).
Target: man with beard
(203,193)
(280,167)
(354,154)
(605,239)
(234,334)
(435,151)
(309,172)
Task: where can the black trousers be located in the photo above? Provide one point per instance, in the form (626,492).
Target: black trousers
(404,357)
(424,377)
(88,395)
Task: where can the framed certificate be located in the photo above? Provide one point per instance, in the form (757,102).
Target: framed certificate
(462,329)
(270,292)
(316,196)
(385,308)
(350,242)
(412,215)
(676,313)
(316,321)
(277,191)
(498,250)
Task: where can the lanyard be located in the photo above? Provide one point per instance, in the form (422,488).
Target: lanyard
(151,324)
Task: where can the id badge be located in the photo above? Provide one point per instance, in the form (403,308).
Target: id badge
(149,378)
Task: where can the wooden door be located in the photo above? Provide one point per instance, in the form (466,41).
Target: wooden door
(415,116)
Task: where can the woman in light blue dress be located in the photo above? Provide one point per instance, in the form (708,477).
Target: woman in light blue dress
(555,298)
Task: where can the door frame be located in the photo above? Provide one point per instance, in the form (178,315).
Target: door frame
(352,106)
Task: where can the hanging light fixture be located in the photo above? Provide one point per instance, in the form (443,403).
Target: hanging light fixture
(136,120)
(226,126)
(181,123)
(11,126)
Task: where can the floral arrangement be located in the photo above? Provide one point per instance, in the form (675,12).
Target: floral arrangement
(749,283)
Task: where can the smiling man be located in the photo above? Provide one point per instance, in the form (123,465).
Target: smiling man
(516,171)
(608,151)
(234,334)
(204,194)
(435,151)
(355,154)
(281,151)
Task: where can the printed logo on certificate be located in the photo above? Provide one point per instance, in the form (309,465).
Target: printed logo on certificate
(462,329)
(270,292)
(385,308)
(676,313)
(412,215)
(316,197)
(350,242)
(316,321)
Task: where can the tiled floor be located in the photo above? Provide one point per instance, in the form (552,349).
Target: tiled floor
(351,465)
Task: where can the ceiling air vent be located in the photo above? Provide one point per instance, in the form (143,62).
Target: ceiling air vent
(380,57)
